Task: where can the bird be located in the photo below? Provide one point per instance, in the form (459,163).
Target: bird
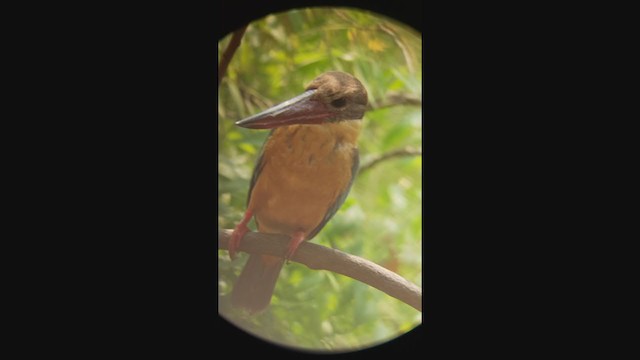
(303,175)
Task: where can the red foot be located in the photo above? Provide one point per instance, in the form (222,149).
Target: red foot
(238,234)
(296,239)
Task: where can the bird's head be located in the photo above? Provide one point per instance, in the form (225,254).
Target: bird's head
(333,96)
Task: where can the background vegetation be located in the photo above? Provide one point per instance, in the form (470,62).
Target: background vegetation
(381,219)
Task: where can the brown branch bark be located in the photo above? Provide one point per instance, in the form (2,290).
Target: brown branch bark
(229,51)
(407,151)
(319,257)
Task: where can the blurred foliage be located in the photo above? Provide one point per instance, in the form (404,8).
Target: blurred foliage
(381,219)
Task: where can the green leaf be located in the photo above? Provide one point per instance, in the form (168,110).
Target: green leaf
(247,148)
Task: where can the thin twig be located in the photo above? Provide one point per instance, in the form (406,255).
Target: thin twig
(395,99)
(229,51)
(319,257)
(408,56)
(407,151)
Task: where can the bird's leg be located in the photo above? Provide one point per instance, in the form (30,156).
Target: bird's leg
(238,233)
(296,239)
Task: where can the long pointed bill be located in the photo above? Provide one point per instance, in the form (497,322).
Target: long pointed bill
(298,110)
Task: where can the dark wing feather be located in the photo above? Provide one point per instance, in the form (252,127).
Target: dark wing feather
(341,198)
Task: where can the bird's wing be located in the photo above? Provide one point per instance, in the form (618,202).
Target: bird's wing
(340,199)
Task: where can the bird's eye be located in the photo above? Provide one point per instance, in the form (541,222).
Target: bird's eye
(339,102)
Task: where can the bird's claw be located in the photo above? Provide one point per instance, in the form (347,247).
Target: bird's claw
(234,241)
(288,256)
(296,239)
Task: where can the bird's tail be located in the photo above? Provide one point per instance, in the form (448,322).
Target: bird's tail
(253,289)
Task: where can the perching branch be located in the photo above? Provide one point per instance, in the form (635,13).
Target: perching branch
(319,257)
(229,51)
(407,151)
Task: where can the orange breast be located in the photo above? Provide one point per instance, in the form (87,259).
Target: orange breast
(306,168)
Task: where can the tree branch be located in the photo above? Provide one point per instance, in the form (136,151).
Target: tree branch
(229,51)
(407,151)
(395,99)
(319,257)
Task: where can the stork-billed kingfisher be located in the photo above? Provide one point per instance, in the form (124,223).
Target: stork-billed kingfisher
(302,177)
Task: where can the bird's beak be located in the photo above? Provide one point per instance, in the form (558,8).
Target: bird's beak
(301,109)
